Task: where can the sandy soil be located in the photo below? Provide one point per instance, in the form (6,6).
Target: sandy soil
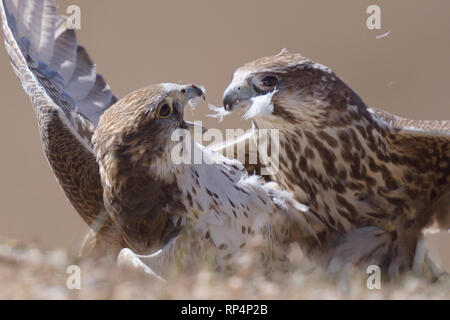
(27,272)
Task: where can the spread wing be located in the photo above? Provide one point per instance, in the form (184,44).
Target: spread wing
(427,144)
(439,129)
(68,96)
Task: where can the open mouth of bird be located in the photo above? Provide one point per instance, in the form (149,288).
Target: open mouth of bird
(238,104)
(194,96)
(256,106)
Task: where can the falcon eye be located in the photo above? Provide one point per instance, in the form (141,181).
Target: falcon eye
(269,81)
(164,110)
(265,82)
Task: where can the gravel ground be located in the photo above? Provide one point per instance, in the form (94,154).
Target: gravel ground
(27,272)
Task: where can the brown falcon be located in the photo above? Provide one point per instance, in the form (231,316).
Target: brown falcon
(142,145)
(375,179)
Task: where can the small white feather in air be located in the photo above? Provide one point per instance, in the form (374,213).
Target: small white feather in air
(383,35)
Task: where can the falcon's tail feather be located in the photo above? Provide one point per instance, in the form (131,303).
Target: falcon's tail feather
(361,248)
(371,247)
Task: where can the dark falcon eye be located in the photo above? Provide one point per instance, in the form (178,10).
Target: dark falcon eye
(165,110)
(269,81)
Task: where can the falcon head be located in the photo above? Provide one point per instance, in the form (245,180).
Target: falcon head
(132,143)
(146,118)
(288,88)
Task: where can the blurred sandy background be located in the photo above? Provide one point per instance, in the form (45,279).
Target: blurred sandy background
(136,43)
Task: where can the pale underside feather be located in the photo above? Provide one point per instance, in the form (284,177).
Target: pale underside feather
(237,209)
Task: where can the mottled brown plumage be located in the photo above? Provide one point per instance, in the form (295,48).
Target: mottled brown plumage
(376,180)
(77,172)
(147,187)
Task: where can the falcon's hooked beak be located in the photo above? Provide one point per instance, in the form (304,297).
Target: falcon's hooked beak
(193,92)
(193,95)
(238,96)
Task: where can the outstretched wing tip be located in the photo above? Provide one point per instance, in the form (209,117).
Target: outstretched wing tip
(53,68)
